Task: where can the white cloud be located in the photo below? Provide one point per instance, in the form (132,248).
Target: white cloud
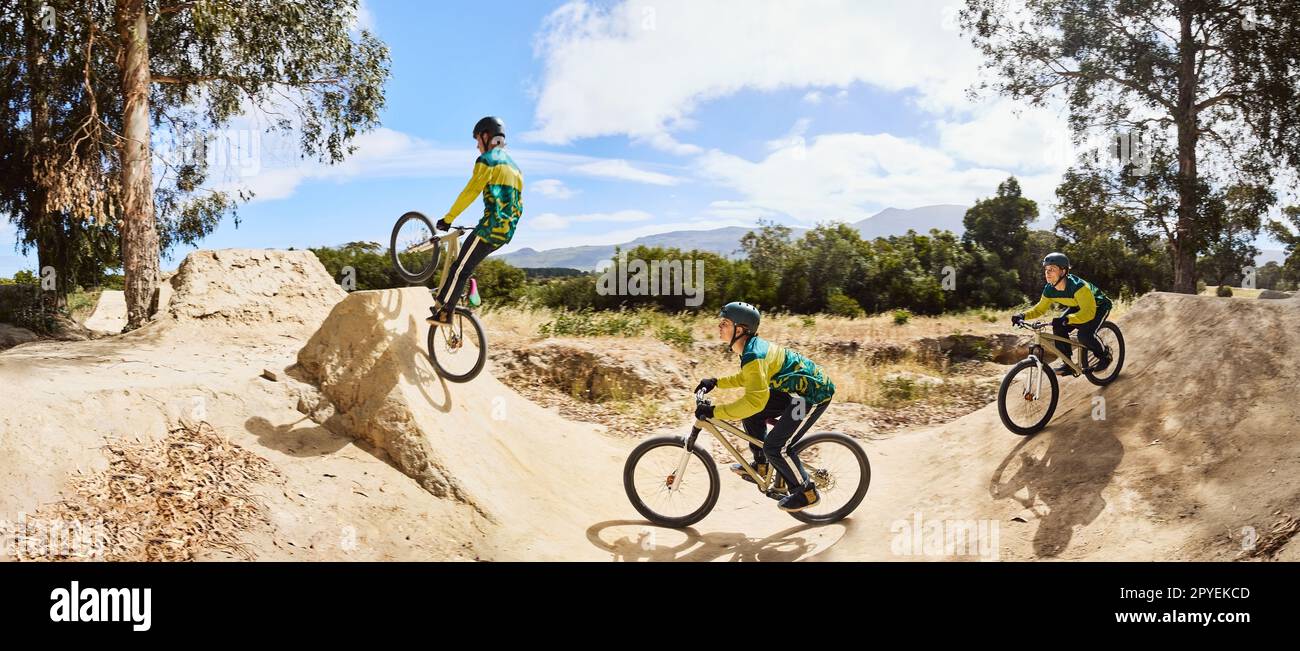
(364,20)
(793,139)
(664,142)
(385,153)
(641,67)
(553,222)
(553,188)
(817,96)
(742,210)
(850,176)
(1006,134)
(622,170)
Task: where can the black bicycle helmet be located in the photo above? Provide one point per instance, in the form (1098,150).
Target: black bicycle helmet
(742,314)
(1058,259)
(493,126)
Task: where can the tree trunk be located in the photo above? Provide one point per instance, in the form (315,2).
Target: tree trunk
(50,244)
(139,230)
(1185,235)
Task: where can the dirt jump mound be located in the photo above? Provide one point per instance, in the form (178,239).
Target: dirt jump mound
(1192,454)
(253,287)
(541,480)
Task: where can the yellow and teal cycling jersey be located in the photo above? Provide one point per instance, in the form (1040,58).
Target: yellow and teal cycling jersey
(501,183)
(1081,298)
(765,365)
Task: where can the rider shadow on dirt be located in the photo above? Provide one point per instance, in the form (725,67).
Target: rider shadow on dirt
(407,363)
(1065,468)
(645,543)
(417,368)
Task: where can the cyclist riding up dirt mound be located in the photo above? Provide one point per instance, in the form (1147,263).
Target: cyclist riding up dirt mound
(779,383)
(1086,305)
(501,183)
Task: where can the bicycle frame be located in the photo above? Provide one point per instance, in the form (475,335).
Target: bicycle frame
(451,250)
(715,427)
(1046,342)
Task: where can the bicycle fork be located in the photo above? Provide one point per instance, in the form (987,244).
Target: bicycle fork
(674,480)
(1036,384)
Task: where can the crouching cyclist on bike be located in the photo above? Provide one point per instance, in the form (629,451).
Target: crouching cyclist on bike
(1086,305)
(779,383)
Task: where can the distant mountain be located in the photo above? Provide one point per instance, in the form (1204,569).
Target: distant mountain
(726,241)
(892,221)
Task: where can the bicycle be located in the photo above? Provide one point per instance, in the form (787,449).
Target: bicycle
(1029,413)
(414,254)
(662,467)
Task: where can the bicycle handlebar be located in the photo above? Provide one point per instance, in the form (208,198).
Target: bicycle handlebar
(1032,325)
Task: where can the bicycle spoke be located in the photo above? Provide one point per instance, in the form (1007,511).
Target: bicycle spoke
(1023,406)
(651,482)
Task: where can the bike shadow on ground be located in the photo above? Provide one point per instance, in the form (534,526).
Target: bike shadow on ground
(1064,470)
(643,541)
(416,367)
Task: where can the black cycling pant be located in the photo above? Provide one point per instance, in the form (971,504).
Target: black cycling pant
(1087,335)
(471,254)
(785,432)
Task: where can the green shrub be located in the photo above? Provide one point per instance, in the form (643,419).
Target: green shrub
(901,317)
(899,389)
(1223,291)
(840,305)
(808,321)
(675,335)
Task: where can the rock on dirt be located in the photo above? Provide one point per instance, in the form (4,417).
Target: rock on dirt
(596,369)
(1000,348)
(11,336)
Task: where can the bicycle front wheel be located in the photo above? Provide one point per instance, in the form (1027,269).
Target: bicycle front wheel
(1027,398)
(459,350)
(669,485)
(838,467)
(413,248)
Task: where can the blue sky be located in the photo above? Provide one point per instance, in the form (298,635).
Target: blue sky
(630,118)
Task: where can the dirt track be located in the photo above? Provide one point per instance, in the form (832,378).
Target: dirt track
(1201,438)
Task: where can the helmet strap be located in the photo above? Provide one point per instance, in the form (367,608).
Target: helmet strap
(736,334)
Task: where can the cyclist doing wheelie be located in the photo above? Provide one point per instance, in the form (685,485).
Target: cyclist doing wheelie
(501,183)
(1086,305)
(779,383)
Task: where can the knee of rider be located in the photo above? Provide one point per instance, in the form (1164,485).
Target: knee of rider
(772,449)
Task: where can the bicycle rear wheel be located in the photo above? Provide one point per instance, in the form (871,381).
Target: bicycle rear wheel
(839,469)
(1113,341)
(413,248)
(663,496)
(1022,405)
(458,351)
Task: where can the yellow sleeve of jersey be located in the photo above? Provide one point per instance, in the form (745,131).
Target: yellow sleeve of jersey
(473,189)
(1044,304)
(754,380)
(1087,306)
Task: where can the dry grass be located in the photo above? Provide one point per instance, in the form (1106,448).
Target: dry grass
(162,500)
(521,323)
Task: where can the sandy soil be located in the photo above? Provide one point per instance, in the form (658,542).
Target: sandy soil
(379,459)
